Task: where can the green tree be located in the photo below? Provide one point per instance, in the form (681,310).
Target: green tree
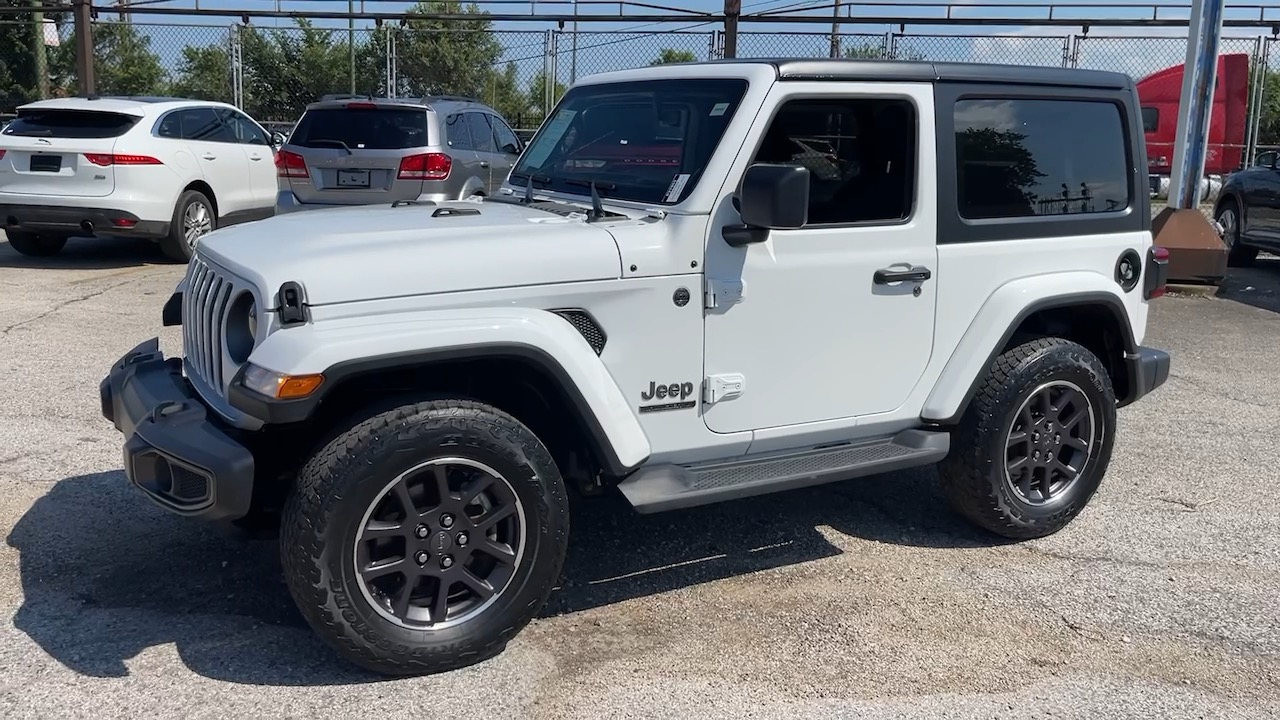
(204,73)
(671,56)
(867,50)
(22,52)
(446,57)
(124,63)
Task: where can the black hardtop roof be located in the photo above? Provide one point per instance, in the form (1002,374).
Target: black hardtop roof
(924,71)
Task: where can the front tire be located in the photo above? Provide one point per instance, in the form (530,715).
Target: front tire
(1035,442)
(34,245)
(1238,253)
(424,538)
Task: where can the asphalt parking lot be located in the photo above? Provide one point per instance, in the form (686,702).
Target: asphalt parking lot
(862,599)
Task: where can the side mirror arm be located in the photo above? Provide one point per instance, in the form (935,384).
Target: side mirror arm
(742,235)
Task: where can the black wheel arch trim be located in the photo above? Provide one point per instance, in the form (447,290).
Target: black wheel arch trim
(280,412)
(1111,302)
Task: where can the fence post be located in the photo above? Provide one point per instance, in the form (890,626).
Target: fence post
(84,46)
(1258,79)
(713,45)
(1066,51)
(237,66)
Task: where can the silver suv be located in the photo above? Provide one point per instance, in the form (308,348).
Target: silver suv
(357,150)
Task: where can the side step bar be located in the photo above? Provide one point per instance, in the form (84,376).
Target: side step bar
(671,487)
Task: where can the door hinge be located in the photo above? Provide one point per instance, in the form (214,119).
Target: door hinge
(722,387)
(722,293)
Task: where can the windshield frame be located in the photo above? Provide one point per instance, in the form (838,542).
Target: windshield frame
(715,91)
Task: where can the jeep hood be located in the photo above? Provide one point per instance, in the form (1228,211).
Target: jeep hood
(371,252)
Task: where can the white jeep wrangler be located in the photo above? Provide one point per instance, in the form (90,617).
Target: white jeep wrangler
(699,283)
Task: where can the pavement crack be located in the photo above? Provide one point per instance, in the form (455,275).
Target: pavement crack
(1216,392)
(63,304)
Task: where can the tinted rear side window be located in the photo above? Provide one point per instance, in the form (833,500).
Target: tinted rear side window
(1150,119)
(362,128)
(70,124)
(1021,158)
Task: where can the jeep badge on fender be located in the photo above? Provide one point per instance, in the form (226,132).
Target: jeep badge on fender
(677,393)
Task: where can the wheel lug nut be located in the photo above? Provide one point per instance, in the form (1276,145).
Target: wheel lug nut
(421,557)
(1057,439)
(446,561)
(421,531)
(462,539)
(446,521)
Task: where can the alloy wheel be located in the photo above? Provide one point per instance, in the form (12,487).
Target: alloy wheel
(439,544)
(1050,442)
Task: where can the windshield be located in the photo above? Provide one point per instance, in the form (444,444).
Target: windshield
(641,141)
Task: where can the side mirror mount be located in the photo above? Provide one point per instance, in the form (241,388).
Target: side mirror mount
(277,140)
(772,197)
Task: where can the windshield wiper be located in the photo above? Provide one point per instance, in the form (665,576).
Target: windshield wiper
(597,210)
(529,180)
(324,141)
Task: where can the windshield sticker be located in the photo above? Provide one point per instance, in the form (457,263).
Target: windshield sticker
(550,139)
(719,109)
(677,187)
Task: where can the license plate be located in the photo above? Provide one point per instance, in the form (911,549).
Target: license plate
(353,178)
(46,163)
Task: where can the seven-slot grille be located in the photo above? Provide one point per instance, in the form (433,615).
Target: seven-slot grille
(204,311)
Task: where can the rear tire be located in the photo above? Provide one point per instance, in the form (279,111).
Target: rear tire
(391,564)
(1035,442)
(193,218)
(34,245)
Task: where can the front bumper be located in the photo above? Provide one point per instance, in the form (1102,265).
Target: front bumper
(174,450)
(1147,369)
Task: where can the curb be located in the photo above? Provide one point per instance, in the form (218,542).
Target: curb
(1196,290)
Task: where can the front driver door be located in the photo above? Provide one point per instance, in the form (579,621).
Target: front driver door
(815,336)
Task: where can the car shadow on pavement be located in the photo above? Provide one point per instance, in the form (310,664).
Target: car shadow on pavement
(107,577)
(1258,286)
(87,254)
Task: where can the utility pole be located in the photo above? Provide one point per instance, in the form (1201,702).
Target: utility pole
(1204,34)
(732,11)
(83,16)
(573,54)
(39,51)
(835,29)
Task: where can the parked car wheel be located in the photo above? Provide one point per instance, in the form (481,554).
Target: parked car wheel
(193,218)
(1035,441)
(424,538)
(35,245)
(1238,253)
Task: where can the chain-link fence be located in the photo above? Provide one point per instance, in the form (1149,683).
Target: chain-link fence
(274,71)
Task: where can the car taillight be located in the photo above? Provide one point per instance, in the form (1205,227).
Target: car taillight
(428,166)
(1157,272)
(108,159)
(2,152)
(290,165)
(361,106)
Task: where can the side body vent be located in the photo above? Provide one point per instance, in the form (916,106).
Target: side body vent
(586,325)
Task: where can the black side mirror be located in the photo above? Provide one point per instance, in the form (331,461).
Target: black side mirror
(277,140)
(510,149)
(773,197)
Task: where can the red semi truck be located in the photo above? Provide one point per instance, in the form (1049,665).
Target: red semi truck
(1159,94)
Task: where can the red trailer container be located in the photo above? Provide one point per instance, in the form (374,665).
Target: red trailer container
(1159,94)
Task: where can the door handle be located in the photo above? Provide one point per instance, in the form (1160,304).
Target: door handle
(484,163)
(255,157)
(915,274)
(207,156)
